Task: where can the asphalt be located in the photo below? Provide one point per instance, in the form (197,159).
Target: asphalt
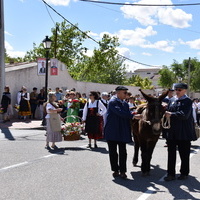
(21,124)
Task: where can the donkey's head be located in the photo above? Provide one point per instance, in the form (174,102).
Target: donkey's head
(154,111)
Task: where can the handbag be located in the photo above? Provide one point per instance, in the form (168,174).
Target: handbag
(55,122)
(197,131)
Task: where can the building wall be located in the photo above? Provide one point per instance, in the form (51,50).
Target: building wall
(17,76)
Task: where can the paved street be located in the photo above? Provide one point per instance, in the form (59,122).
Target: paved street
(28,171)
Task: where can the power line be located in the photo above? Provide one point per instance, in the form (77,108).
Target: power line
(189,30)
(93,38)
(137,4)
(50,14)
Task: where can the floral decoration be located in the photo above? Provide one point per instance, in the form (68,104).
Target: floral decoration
(16,107)
(75,103)
(1,110)
(72,128)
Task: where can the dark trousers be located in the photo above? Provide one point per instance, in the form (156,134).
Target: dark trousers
(184,152)
(33,109)
(198,117)
(118,162)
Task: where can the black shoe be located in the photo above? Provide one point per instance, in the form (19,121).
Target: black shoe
(48,148)
(89,146)
(95,146)
(123,175)
(54,147)
(115,174)
(182,177)
(169,178)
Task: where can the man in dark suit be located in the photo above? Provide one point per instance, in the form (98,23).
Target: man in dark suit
(42,69)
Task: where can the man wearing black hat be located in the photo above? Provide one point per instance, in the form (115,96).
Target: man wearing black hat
(181,132)
(118,131)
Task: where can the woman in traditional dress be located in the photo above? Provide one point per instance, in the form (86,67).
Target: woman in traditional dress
(6,104)
(52,107)
(93,117)
(24,104)
(73,106)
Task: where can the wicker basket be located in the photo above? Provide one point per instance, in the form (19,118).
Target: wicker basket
(72,136)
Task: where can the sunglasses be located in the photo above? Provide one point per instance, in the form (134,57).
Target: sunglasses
(179,90)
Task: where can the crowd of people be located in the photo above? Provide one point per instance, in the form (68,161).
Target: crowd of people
(108,115)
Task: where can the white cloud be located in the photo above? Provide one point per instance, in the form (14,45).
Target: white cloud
(8,46)
(195,44)
(152,15)
(92,34)
(132,66)
(146,54)
(89,53)
(58,2)
(138,36)
(7,33)
(124,51)
(10,51)
(161,45)
(135,37)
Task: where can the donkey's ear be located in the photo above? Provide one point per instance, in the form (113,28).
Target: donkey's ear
(147,97)
(163,95)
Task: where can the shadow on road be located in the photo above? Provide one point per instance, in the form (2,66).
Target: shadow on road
(8,135)
(179,189)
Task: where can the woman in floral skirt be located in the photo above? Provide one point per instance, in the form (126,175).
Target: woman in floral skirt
(93,117)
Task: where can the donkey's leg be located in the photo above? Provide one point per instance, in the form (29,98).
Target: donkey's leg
(144,156)
(150,148)
(136,150)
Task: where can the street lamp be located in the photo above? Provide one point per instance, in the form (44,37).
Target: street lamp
(47,45)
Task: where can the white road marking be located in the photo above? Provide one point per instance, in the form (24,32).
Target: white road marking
(151,190)
(32,161)
(14,166)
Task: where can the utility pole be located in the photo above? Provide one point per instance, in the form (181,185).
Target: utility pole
(2,49)
(188,91)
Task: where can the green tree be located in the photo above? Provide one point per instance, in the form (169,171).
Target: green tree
(66,45)
(167,77)
(170,75)
(136,80)
(105,66)
(195,77)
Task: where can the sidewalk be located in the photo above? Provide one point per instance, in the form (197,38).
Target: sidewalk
(20,124)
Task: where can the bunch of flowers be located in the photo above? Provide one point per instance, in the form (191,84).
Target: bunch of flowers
(82,100)
(1,110)
(16,107)
(72,128)
(75,103)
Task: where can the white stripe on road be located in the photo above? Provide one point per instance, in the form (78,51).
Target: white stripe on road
(31,161)
(151,190)
(14,166)
(25,163)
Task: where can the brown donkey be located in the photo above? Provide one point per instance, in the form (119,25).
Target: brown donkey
(146,131)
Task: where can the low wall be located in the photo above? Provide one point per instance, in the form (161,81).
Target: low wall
(27,75)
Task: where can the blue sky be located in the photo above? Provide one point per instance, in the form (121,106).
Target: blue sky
(151,35)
